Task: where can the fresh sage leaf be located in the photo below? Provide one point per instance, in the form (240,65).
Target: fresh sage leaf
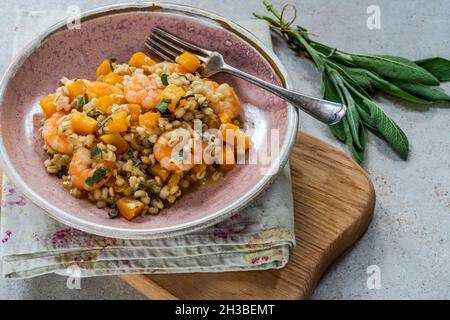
(338,131)
(352,114)
(360,76)
(317,58)
(331,53)
(358,154)
(365,115)
(437,66)
(347,80)
(330,93)
(353,118)
(390,88)
(430,93)
(396,68)
(390,131)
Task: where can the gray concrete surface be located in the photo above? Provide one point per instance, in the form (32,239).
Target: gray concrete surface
(409,239)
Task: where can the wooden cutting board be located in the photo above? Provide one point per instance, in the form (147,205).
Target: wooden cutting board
(334,201)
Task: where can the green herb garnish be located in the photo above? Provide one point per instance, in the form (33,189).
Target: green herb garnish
(94,114)
(165,79)
(99,175)
(82,101)
(349,78)
(96,153)
(102,123)
(163,105)
(204,105)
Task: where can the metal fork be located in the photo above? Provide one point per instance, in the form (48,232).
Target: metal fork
(168,46)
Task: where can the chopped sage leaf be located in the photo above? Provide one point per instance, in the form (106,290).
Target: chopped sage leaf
(82,101)
(94,114)
(102,123)
(165,80)
(99,175)
(96,153)
(163,105)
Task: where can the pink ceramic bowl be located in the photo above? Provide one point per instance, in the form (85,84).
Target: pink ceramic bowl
(118,31)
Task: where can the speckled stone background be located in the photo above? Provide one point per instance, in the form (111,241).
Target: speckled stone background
(409,238)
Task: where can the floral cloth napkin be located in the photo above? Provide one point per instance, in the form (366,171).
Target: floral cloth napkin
(34,244)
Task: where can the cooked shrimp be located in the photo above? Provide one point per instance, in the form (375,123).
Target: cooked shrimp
(80,170)
(223,98)
(58,142)
(98,89)
(173,150)
(143,90)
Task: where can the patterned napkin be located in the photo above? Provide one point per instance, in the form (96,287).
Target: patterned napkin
(34,244)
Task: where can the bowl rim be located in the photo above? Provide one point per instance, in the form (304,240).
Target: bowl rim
(161,232)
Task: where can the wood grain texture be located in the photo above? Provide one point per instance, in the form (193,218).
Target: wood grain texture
(334,201)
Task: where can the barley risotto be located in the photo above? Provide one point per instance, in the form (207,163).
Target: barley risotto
(142,134)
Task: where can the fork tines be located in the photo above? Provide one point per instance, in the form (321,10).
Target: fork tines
(169,46)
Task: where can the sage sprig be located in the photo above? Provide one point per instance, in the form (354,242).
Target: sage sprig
(350,79)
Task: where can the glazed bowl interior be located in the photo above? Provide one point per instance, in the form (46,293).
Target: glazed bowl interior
(118,33)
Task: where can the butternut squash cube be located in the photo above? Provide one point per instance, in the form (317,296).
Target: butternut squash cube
(230,129)
(149,119)
(48,105)
(118,122)
(116,140)
(112,78)
(241,140)
(189,61)
(105,103)
(76,88)
(140,59)
(160,172)
(174,94)
(83,124)
(225,117)
(227,159)
(104,68)
(135,111)
(174,180)
(129,209)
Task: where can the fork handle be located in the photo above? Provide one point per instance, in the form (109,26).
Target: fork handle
(324,111)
